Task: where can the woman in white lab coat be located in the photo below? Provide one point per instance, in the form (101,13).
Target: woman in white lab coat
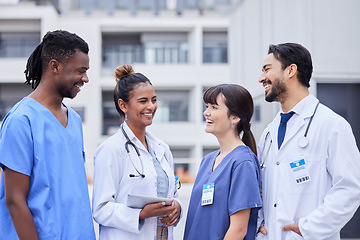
(120,170)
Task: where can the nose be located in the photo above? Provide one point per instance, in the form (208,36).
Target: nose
(262,77)
(85,78)
(152,105)
(206,112)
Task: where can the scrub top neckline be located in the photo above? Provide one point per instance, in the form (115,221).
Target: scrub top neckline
(53,116)
(224,159)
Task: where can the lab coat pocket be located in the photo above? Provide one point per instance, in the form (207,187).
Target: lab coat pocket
(302,173)
(294,236)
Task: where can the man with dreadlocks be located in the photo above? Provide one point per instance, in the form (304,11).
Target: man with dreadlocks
(43,187)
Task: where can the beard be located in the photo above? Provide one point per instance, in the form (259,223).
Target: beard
(66,93)
(278,89)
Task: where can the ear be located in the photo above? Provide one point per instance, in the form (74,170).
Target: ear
(292,70)
(122,105)
(234,120)
(54,66)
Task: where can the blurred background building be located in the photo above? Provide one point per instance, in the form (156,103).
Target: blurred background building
(185,46)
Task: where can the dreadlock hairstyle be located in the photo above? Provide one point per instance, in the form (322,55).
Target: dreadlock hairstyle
(126,81)
(59,45)
(239,103)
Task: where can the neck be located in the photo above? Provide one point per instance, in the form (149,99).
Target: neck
(138,132)
(229,142)
(293,97)
(46,97)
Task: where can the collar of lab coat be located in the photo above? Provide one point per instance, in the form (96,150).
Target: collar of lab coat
(303,110)
(154,142)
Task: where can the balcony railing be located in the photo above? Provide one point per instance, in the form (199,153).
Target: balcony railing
(115,55)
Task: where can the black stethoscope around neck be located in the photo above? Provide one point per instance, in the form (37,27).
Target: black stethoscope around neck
(127,143)
(302,141)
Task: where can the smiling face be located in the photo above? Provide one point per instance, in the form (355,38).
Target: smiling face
(72,75)
(218,121)
(142,105)
(272,79)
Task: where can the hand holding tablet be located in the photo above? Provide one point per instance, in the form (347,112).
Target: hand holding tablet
(139,201)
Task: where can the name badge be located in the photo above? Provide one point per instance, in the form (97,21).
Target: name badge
(207,194)
(300,172)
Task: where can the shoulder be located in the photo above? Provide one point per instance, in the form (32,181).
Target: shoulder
(20,114)
(243,155)
(329,119)
(114,143)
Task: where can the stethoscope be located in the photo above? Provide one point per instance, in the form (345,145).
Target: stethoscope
(129,142)
(302,141)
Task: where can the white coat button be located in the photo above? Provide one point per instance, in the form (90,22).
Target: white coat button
(275,205)
(277,163)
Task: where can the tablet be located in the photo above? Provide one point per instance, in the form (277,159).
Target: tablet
(139,201)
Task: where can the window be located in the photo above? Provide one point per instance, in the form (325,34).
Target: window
(18,45)
(182,164)
(10,94)
(257,113)
(80,111)
(149,48)
(111,118)
(215,47)
(169,47)
(173,106)
(120,49)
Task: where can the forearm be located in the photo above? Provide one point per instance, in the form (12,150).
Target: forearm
(16,191)
(235,233)
(238,225)
(23,221)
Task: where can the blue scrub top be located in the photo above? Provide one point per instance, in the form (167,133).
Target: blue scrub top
(236,187)
(33,142)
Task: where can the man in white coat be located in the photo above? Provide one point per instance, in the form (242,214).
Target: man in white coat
(310,162)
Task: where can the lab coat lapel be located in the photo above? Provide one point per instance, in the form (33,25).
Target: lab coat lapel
(273,129)
(299,125)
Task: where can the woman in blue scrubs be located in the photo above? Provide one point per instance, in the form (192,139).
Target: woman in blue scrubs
(226,196)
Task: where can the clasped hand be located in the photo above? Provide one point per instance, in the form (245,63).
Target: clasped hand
(170,213)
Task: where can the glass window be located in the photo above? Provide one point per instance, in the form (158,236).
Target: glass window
(182,164)
(146,47)
(111,118)
(257,113)
(10,94)
(173,106)
(119,49)
(215,47)
(18,45)
(80,111)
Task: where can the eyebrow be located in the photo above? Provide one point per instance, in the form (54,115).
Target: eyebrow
(142,98)
(266,65)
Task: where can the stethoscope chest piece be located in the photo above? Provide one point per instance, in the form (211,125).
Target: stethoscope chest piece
(303,142)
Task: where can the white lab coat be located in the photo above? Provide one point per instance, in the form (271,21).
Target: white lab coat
(325,204)
(112,185)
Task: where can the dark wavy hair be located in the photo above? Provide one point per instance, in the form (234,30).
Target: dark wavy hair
(59,45)
(240,103)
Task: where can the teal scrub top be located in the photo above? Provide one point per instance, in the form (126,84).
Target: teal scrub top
(33,142)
